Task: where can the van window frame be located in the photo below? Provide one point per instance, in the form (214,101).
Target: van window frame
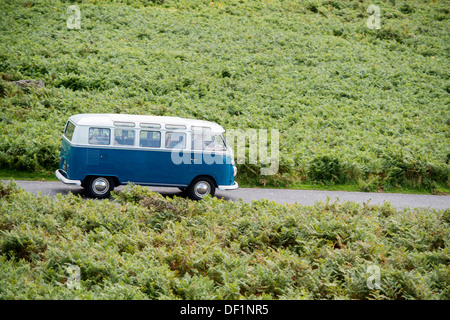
(99,128)
(204,146)
(184,133)
(152,131)
(124,124)
(175,127)
(125,145)
(147,126)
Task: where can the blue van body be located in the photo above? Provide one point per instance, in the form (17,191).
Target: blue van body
(134,163)
(148,167)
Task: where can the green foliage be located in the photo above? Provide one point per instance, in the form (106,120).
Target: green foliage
(145,246)
(326,169)
(370,184)
(8,189)
(22,245)
(374,101)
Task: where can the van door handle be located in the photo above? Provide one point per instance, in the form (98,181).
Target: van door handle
(193,159)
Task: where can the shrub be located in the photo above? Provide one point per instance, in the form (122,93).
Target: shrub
(326,169)
(8,189)
(22,245)
(162,248)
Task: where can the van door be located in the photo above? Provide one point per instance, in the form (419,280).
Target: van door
(207,154)
(177,158)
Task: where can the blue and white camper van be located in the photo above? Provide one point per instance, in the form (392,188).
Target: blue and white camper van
(102,151)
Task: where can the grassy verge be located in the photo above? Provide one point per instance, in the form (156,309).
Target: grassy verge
(439,190)
(145,246)
(11,174)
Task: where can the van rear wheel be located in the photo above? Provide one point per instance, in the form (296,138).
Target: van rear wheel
(200,187)
(99,187)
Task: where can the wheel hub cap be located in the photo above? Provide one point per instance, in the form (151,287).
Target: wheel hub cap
(202,189)
(101,185)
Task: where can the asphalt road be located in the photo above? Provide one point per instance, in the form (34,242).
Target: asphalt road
(304,197)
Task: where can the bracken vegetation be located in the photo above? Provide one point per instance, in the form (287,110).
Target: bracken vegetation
(353,104)
(145,246)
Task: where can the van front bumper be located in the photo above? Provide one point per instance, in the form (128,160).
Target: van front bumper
(234,186)
(62,178)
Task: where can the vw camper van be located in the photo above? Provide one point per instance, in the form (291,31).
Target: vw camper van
(102,151)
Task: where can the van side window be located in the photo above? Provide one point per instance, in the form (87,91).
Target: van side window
(197,141)
(123,137)
(175,126)
(151,139)
(150,125)
(123,124)
(70,128)
(99,136)
(175,140)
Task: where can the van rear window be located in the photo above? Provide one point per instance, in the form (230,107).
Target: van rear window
(68,132)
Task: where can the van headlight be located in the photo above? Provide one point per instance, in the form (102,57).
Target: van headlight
(234,171)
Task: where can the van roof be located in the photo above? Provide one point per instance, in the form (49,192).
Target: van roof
(108,119)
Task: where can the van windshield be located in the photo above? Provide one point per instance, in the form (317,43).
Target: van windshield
(206,140)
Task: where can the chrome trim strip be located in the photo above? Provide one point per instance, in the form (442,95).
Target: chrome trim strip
(134,148)
(65,180)
(234,186)
(149,184)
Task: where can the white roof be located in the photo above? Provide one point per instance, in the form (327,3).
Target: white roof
(108,119)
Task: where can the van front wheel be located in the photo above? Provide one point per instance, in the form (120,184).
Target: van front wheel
(200,188)
(99,187)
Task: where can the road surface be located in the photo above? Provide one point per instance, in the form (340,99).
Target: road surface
(304,197)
